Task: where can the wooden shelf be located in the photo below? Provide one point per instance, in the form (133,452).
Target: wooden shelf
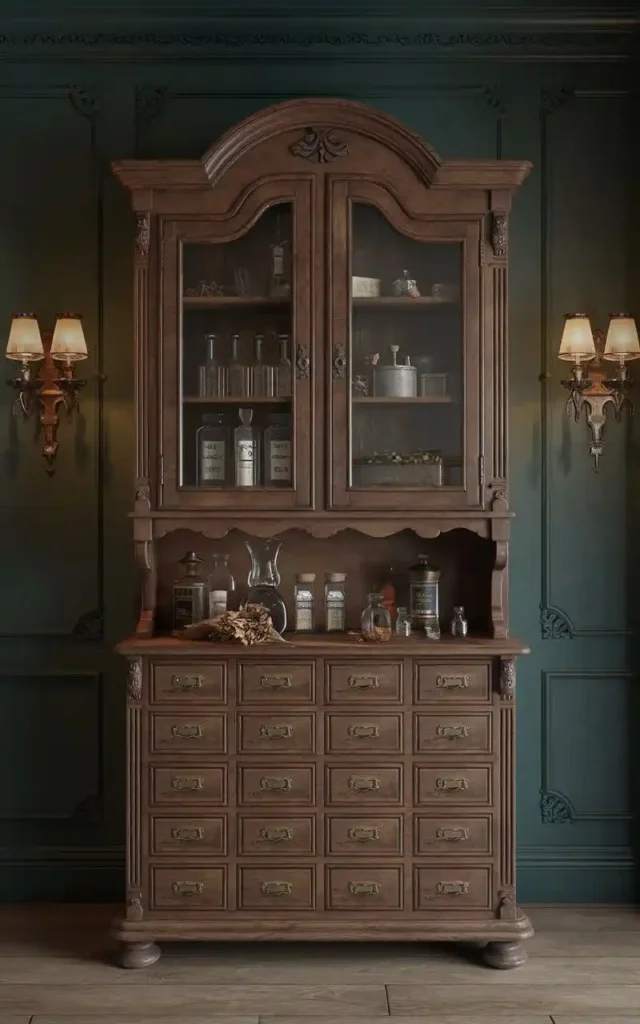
(233,302)
(398,302)
(419,400)
(234,400)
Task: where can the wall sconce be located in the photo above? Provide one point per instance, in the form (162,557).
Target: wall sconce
(594,390)
(54,383)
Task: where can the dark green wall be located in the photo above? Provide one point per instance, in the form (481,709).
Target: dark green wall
(79,90)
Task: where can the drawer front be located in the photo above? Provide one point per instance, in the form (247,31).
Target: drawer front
(281,683)
(273,836)
(276,734)
(357,684)
(460,681)
(353,733)
(194,684)
(449,888)
(364,785)
(363,837)
(192,785)
(188,836)
(453,836)
(188,888)
(446,733)
(276,784)
(188,734)
(276,888)
(363,888)
(451,784)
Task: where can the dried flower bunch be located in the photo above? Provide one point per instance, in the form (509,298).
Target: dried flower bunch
(391,458)
(377,635)
(251,624)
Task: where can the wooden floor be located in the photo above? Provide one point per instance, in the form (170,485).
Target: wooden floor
(584,968)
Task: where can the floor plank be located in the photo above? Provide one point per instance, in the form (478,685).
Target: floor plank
(136,1018)
(504,999)
(429,1019)
(585,942)
(576,918)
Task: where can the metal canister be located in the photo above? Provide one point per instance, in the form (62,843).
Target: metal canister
(424,582)
(395,381)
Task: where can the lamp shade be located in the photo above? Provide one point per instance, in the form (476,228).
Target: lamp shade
(68,343)
(25,343)
(577,345)
(622,338)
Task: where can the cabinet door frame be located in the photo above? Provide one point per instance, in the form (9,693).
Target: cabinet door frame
(219,230)
(342,192)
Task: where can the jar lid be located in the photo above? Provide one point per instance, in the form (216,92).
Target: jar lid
(335,577)
(305,577)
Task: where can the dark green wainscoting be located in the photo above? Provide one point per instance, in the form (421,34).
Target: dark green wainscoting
(77,91)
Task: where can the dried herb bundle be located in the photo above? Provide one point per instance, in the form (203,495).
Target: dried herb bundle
(250,625)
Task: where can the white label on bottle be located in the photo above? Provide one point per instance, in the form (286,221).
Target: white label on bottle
(280,461)
(245,463)
(217,602)
(212,460)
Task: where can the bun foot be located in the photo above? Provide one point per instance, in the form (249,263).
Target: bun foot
(504,955)
(135,955)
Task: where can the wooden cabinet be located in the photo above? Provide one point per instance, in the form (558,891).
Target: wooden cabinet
(320,334)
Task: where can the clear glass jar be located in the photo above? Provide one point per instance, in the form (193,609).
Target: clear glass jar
(459,625)
(212,375)
(264,580)
(284,368)
(403,622)
(262,375)
(238,373)
(335,602)
(190,593)
(304,602)
(212,451)
(277,451)
(221,586)
(375,622)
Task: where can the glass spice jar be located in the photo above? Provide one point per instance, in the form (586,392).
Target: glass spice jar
(375,622)
(304,602)
(403,622)
(424,580)
(335,602)
(459,625)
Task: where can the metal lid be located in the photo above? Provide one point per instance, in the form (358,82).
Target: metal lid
(305,577)
(335,577)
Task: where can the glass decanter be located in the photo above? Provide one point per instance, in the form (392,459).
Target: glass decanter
(375,623)
(264,580)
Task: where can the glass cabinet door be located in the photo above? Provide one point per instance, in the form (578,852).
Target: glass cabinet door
(236,353)
(405,377)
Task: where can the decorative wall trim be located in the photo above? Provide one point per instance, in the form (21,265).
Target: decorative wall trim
(555,808)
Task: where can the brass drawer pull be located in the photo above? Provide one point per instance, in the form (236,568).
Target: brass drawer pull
(452,682)
(452,835)
(187,835)
(453,785)
(188,888)
(364,682)
(362,782)
(187,782)
(276,888)
(363,835)
(365,888)
(362,732)
(187,732)
(282,682)
(281,834)
(276,783)
(276,732)
(452,888)
(187,682)
(452,732)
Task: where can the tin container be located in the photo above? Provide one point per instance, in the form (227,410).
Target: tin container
(394,381)
(424,606)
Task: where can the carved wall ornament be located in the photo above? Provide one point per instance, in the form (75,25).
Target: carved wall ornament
(134,685)
(555,808)
(339,362)
(303,363)
(499,232)
(320,146)
(90,625)
(135,909)
(507,678)
(555,625)
(143,234)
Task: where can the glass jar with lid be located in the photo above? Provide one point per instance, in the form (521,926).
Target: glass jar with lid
(335,602)
(304,602)
(277,451)
(212,451)
(424,607)
(375,623)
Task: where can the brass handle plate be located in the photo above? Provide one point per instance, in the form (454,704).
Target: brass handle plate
(188,888)
(365,888)
(362,732)
(452,732)
(276,783)
(277,682)
(364,835)
(276,888)
(187,782)
(280,834)
(452,888)
(187,835)
(452,785)
(452,835)
(452,682)
(187,682)
(276,732)
(362,782)
(364,682)
(187,732)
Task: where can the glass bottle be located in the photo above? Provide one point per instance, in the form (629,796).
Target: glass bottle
(190,594)
(375,621)
(211,376)
(212,451)
(246,451)
(278,470)
(388,592)
(403,622)
(264,580)
(335,601)
(238,376)
(283,369)
(459,625)
(423,597)
(304,602)
(221,586)
(262,375)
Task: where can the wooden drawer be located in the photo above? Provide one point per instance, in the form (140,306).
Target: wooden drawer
(365,837)
(446,732)
(276,734)
(276,784)
(352,733)
(449,888)
(368,784)
(363,888)
(188,888)
(453,836)
(276,835)
(276,683)
(188,836)
(453,681)
(451,784)
(191,785)
(193,684)
(276,888)
(187,734)
(358,684)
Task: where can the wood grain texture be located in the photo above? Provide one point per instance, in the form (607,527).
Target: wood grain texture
(501,999)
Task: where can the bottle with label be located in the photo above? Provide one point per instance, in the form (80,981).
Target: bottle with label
(190,593)
(335,602)
(277,451)
(304,602)
(238,375)
(424,581)
(246,451)
(212,451)
(283,369)
(212,374)
(221,586)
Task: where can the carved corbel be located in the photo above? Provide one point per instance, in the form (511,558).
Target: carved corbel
(134,906)
(498,589)
(134,681)
(499,234)
(507,903)
(145,556)
(507,679)
(499,501)
(143,235)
